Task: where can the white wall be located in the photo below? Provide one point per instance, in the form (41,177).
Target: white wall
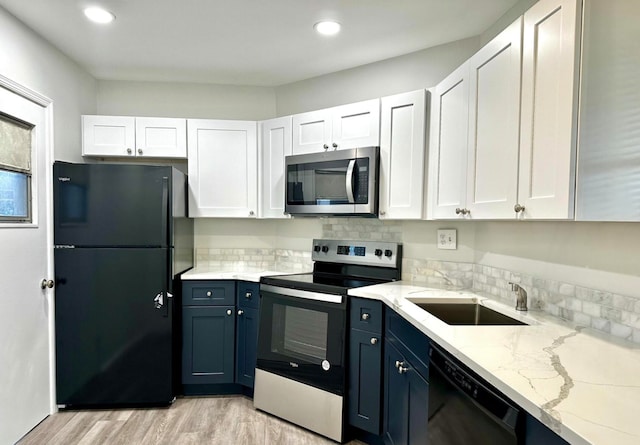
(31,61)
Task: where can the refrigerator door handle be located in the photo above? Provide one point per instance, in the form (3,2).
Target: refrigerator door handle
(165,209)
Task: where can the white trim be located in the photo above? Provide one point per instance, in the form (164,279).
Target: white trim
(25,92)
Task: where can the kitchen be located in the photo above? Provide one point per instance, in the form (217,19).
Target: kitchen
(598,256)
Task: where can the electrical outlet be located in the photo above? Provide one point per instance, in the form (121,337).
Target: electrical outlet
(447,239)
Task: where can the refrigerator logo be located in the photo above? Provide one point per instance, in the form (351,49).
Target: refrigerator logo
(61,179)
(294,365)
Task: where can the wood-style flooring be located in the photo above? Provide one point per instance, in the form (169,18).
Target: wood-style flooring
(225,420)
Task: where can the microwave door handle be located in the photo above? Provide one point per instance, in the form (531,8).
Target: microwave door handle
(349,180)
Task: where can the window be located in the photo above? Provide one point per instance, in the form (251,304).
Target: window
(15,170)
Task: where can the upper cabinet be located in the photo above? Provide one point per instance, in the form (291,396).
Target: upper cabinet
(402,156)
(275,138)
(520,115)
(346,126)
(125,136)
(223,168)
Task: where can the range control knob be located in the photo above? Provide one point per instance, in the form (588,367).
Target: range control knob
(325,249)
(388,253)
(378,252)
(316,248)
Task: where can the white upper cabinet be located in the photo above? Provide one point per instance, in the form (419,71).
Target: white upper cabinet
(124,136)
(402,156)
(448,146)
(549,110)
(346,126)
(494,122)
(223,168)
(108,136)
(275,138)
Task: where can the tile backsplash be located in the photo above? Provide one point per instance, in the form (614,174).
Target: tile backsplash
(229,259)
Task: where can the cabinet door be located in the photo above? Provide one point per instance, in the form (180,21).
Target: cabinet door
(402,155)
(223,166)
(365,380)
(449,145)
(161,137)
(396,398)
(494,122)
(246,346)
(418,407)
(356,125)
(108,136)
(549,93)
(275,145)
(208,334)
(311,132)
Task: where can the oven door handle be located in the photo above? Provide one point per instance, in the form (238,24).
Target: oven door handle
(297,293)
(349,181)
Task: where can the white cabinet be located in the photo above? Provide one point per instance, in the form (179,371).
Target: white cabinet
(402,156)
(448,146)
(125,136)
(346,126)
(223,168)
(549,110)
(275,144)
(494,121)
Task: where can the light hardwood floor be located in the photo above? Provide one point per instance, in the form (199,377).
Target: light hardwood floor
(225,420)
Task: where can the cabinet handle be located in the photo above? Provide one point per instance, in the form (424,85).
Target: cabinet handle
(325,146)
(229,312)
(402,369)
(240,312)
(208,293)
(382,213)
(374,341)
(365,316)
(334,145)
(128,151)
(399,364)
(247,295)
(460,211)
(139,151)
(251,213)
(518,208)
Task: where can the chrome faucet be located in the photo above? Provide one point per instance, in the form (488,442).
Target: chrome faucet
(521,296)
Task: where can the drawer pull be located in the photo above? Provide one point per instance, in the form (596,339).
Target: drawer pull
(208,293)
(247,295)
(365,316)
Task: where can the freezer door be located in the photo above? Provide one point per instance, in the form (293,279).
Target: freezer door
(112,205)
(113,327)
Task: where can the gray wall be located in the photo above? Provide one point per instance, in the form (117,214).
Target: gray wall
(31,61)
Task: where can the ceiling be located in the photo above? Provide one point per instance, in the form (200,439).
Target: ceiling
(248,42)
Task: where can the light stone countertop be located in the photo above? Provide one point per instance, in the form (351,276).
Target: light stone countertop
(582,384)
(236,273)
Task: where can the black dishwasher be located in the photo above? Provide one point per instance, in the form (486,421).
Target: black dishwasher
(463,409)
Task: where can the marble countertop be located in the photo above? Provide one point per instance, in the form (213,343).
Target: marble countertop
(580,383)
(242,274)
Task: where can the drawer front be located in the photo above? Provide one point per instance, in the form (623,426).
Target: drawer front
(208,293)
(366,315)
(248,294)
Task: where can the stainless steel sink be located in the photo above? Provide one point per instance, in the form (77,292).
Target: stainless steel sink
(467,313)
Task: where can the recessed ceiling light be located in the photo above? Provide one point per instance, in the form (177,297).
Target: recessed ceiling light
(99,15)
(327,28)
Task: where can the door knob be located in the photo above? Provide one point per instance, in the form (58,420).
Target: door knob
(139,151)
(374,340)
(518,208)
(229,312)
(240,312)
(47,284)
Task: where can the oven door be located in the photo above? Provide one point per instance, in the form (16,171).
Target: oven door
(302,336)
(335,182)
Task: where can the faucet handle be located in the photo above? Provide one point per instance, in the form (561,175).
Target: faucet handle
(514,286)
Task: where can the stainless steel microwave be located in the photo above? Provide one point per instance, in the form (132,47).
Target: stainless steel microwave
(340,182)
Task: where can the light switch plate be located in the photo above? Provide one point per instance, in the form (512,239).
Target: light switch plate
(447,239)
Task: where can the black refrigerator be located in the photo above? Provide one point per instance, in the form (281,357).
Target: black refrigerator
(121,240)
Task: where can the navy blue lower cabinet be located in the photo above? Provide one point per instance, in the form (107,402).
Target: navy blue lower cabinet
(208,339)
(246,346)
(365,380)
(406,400)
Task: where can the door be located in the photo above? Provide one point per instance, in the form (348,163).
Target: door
(312,132)
(365,380)
(113,336)
(111,205)
(246,345)
(276,144)
(223,168)
(396,398)
(108,136)
(356,125)
(448,153)
(161,137)
(25,260)
(494,124)
(402,156)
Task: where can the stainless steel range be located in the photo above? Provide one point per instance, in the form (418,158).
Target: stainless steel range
(301,372)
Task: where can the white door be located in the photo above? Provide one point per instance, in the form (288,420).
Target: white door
(312,132)
(108,136)
(549,92)
(402,155)
(161,137)
(275,145)
(223,168)
(494,123)
(26,310)
(356,125)
(449,145)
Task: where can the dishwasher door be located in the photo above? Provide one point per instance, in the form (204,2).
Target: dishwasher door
(465,410)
